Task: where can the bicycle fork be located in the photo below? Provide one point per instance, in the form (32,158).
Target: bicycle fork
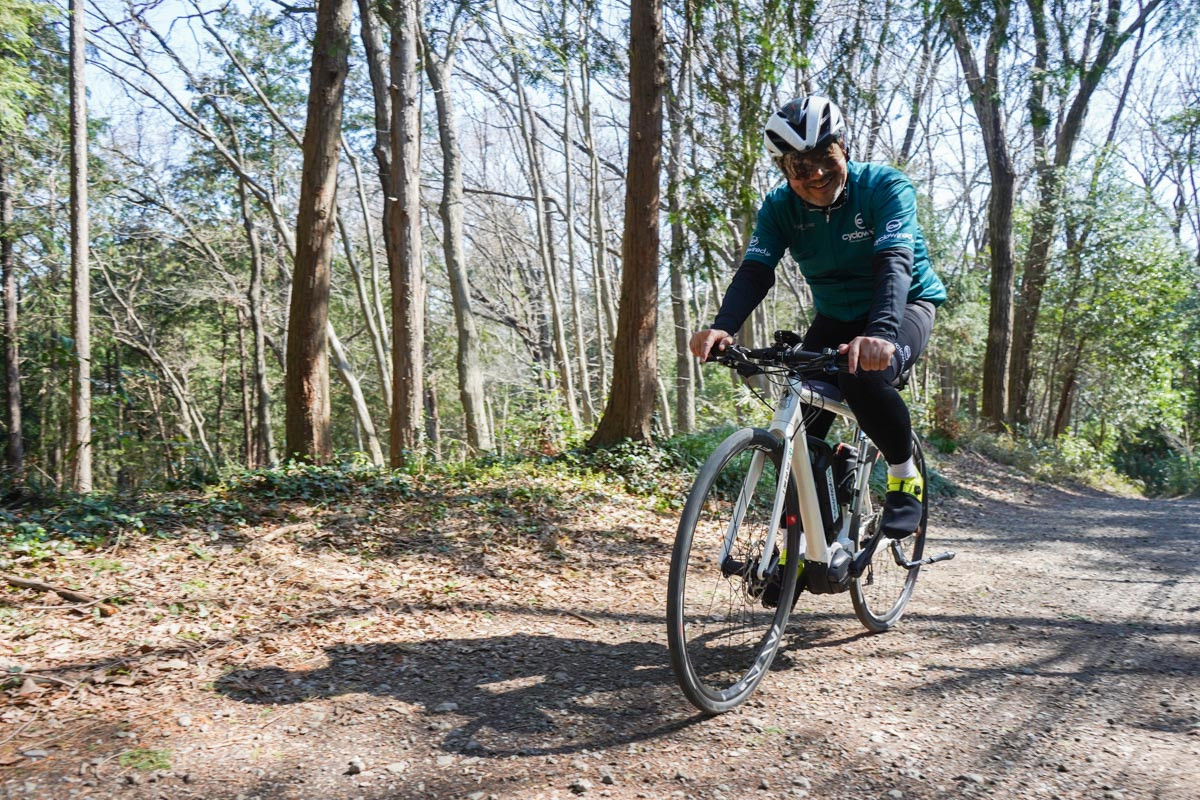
(743,502)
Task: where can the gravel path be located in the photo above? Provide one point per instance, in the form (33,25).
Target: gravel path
(1058,656)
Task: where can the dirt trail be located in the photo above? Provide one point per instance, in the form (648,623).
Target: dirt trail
(1057,656)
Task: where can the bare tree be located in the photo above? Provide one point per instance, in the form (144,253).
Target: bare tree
(470,378)
(81,372)
(402,218)
(14,451)
(984,88)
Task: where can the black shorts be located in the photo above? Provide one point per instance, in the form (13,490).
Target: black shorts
(911,342)
(872,395)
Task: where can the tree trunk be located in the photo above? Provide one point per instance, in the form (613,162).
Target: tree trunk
(14,451)
(597,229)
(264,437)
(664,409)
(81,312)
(376,296)
(248,457)
(985,98)
(470,375)
(1067,398)
(433,420)
(307,380)
(362,414)
(585,389)
(402,213)
(685,364)
(364,305)
(222,391)
(635,361)
(378,69)
(381,90)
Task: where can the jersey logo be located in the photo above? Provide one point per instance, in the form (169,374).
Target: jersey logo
(894,226)
(858,221)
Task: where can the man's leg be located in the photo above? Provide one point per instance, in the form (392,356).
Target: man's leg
(827,332)
(884,417)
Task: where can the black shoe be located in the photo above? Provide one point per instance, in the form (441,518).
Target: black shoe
(902,507)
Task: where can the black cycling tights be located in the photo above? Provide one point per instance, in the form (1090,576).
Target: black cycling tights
(880,409)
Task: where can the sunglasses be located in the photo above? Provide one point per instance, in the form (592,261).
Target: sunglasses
(799,166)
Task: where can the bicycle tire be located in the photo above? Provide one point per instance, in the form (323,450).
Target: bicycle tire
(881,594)
(721,638)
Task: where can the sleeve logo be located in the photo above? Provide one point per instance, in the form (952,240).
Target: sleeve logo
(893,226)
(756,248)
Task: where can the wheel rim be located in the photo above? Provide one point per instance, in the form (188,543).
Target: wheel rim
(729,637)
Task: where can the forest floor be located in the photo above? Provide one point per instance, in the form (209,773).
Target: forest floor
(507,641)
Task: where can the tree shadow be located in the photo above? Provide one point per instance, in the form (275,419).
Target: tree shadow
(500,696)
(1105,531)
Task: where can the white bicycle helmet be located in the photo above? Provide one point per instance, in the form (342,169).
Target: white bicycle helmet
(803,124)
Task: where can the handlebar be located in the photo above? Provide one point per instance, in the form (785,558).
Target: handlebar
(786,353)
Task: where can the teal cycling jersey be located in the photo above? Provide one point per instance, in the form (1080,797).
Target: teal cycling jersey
(834,247)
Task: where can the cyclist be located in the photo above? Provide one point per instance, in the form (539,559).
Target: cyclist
(852,228)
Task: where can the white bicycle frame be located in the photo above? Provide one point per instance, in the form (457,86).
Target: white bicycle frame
(788,426)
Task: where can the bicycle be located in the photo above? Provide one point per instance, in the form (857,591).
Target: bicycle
(731,590)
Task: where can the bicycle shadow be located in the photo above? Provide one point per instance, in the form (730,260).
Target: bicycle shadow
(500,696)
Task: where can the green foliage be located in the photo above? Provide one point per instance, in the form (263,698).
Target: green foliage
(692,449)
(1119,300)
(1067,458)
(316,484)
(145,759)
(18,87)
(60,524)
(640,466)
(1160,462)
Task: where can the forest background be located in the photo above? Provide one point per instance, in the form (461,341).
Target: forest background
(487,249)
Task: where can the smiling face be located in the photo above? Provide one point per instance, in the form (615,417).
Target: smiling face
(817,176)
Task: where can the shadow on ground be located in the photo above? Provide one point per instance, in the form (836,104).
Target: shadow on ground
(521,694)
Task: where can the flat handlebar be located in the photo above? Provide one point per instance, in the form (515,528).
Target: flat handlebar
(751,361)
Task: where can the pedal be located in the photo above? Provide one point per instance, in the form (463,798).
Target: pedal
(924,561)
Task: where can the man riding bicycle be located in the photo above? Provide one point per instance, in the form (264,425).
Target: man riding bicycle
(852,227)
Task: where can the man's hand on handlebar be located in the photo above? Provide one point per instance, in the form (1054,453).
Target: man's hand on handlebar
(703,342)
(867,352)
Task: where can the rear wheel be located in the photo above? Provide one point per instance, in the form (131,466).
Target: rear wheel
(722,635)
(883,590)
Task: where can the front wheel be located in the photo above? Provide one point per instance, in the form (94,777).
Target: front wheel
(883,590)
(725,621)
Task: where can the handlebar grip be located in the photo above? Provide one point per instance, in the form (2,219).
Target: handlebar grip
(717,352)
